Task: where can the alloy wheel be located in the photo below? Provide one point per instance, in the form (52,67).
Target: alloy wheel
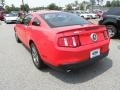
(111,30)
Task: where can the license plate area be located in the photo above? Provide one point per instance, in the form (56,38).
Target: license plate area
(94,53)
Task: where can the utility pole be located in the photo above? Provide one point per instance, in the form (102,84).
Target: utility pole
(23,7)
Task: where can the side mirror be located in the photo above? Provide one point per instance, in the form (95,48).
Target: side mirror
(36,23)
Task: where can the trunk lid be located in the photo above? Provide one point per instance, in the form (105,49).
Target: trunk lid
(87,33)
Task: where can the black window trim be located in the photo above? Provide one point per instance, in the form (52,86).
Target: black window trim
(36,19)
(29,21)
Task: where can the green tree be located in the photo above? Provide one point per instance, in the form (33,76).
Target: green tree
(108,4)
(25,7)
(13,7)
(69,7)
(16,9)
(53,6)
(76,3)
(113,3)
(8,9)
(118,3)
(22,7)
(82,6)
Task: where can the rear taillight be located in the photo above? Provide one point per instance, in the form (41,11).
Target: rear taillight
(106,35)
(69,41)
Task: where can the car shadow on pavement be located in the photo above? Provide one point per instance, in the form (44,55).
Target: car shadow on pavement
(84,74)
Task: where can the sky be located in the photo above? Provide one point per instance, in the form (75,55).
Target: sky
(38,3)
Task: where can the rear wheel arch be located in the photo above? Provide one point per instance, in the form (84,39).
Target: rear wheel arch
(14,29)
(17,38)
(41,64)
(30,42)
(112,23)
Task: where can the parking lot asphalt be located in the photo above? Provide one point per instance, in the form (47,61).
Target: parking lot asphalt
(17,71)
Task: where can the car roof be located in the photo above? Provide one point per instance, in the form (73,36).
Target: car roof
(45,11)
(113,11)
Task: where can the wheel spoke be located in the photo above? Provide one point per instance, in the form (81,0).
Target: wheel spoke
(35,56)
(111,31)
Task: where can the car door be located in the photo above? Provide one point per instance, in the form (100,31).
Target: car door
(24,28)
(32,29)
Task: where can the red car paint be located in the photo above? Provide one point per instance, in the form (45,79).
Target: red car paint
(1,15)
(49,41)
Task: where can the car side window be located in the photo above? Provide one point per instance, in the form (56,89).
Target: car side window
(113,11)
(36,22)
(27,19)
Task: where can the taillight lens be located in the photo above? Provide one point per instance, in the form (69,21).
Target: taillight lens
(106,34)
(69,41)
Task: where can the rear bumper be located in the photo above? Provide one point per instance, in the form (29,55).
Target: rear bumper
(73,66)
(66,58)
(88,17)
(11,21)
(84,63)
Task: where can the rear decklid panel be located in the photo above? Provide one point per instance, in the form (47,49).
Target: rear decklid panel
(85,38)
(84,32)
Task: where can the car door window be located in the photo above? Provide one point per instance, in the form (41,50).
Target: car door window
(36,22)
(27,19)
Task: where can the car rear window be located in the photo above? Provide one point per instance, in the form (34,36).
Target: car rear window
(60,19)
(113,11)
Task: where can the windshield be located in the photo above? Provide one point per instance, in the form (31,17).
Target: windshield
(11,15)
(60,19)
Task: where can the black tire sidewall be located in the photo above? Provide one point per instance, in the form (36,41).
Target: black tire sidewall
(40,62)
(17,39)
(114,30)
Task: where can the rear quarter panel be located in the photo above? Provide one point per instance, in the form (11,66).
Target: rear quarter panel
(44,40)
(43,37)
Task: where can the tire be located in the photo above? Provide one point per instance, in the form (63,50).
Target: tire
(91,17)
(82,16)
(17,39)
(112,30)
(36,57)
(5,21)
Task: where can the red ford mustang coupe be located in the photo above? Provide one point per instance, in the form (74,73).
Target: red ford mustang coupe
(62,40)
